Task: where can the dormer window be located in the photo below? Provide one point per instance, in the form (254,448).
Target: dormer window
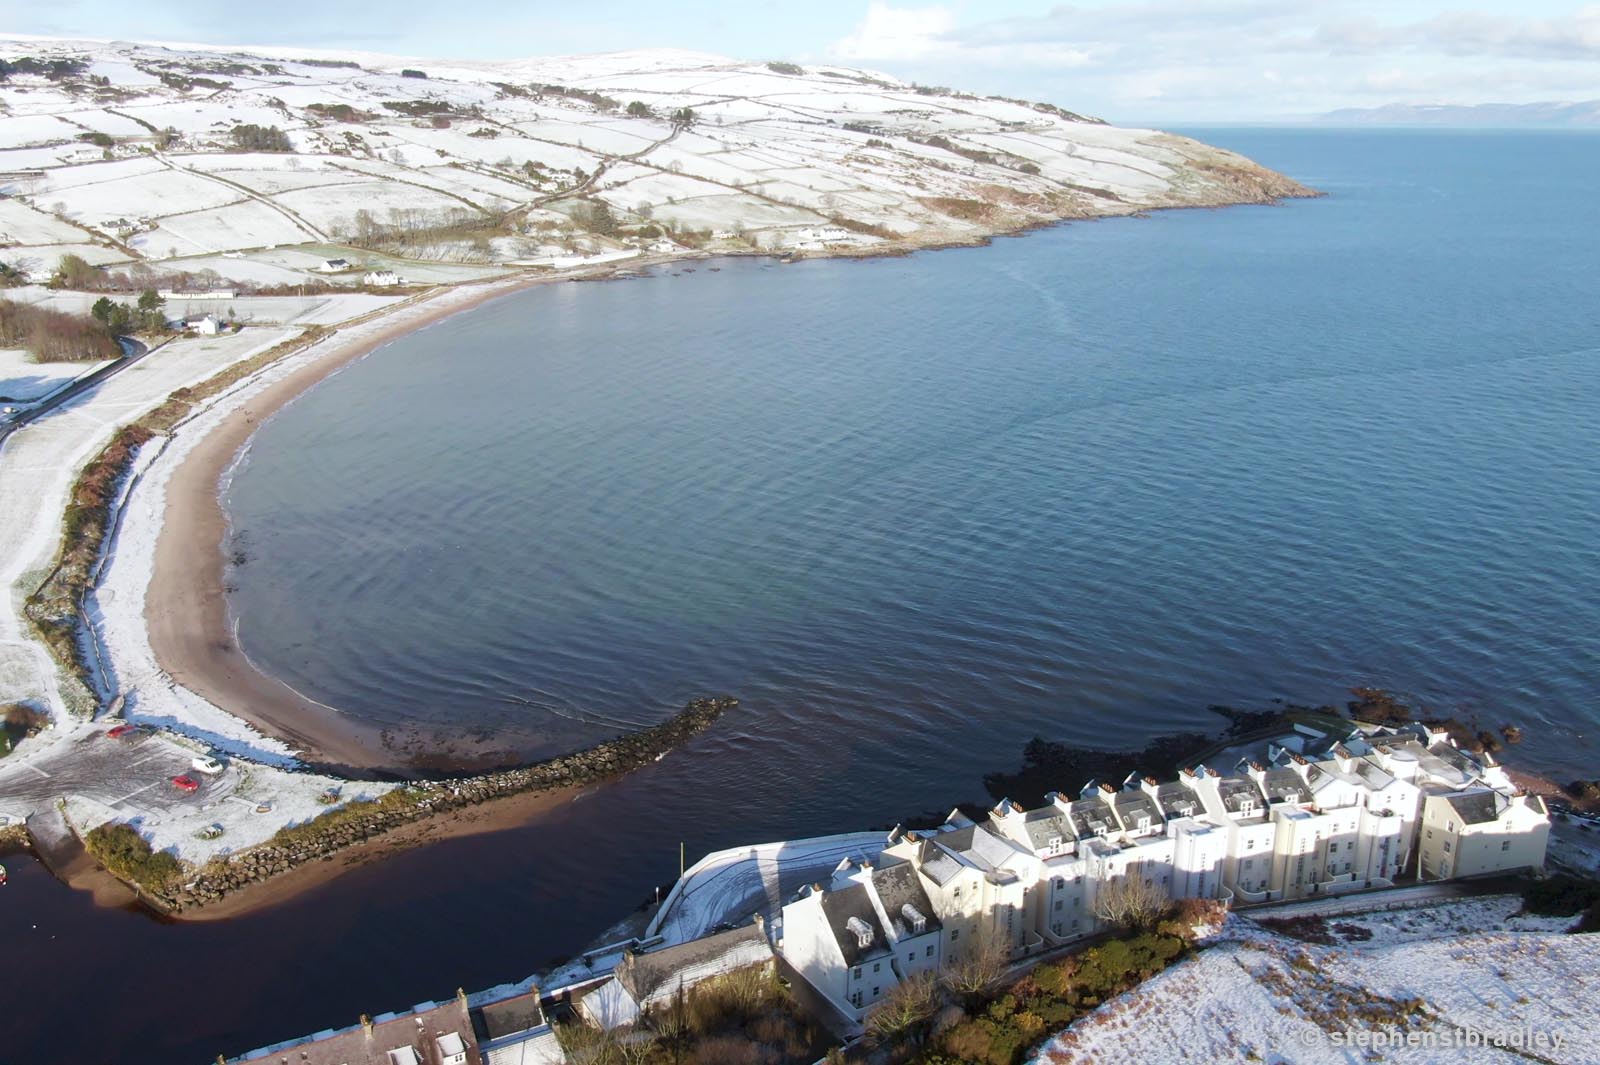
(914,918)
(1247,807)
(1054,843)
(1144,824)
(861,930)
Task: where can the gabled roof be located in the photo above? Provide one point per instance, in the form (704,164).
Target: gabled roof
(839,908)
(643,974)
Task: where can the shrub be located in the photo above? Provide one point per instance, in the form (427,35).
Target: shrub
(778,66)
(127,855)
(1562,895)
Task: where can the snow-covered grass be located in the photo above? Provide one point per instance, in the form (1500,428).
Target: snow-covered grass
(1450,968)
(489,138)
(24,381)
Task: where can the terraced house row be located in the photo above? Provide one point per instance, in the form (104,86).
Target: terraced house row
(1310,812)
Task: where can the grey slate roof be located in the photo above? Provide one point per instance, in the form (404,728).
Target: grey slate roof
(1085,812)
(1177,799)
(898,887)
(1475,807)
(839,907)
(1131,806)
(1044,825)
(642,974)
(936,864)
(1285,785)
(509,1016)
(1236,791)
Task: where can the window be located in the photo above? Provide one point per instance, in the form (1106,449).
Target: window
(1447,846)
(856,972)
(911,957)
(877,966)
(1449,826)
(1249,844)
(1506,845)
(1058,904)
(929,954)
(955,934)
(875,992)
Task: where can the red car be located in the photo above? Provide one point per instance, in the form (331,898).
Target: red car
(122,731)
(186,783)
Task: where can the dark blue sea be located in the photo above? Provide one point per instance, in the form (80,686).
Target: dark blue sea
(912,512)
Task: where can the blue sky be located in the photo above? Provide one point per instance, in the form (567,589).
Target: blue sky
(1187,60)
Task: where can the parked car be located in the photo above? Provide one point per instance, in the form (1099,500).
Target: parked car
(207,765)
(186,783)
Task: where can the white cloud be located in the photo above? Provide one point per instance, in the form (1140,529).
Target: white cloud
(898,34)
(889,34)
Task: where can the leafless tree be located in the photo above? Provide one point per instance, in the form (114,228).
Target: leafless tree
(1130,901)
(980,969)
(906,1008)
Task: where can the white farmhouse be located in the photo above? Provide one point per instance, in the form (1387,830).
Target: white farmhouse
(382,279)
(207,325)
(333,266)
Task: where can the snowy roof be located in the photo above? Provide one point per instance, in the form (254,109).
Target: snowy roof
(644,974)
(937,865)
(1047,826)
(1239,792)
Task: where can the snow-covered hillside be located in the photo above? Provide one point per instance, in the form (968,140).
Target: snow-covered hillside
(120,152)
(1463,981)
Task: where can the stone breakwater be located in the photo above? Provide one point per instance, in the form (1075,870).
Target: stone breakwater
(360,822)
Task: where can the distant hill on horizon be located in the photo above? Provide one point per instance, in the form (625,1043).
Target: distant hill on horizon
(1583,114)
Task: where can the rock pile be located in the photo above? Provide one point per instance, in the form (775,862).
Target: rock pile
(361,821)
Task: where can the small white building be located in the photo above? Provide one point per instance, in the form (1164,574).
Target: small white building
(207,325)
(333,266)
(382,279)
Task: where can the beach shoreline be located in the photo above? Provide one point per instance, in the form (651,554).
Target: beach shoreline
(185,609)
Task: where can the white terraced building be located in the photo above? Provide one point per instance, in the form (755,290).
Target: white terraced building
(1318,811)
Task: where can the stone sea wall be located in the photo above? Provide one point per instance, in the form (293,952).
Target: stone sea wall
(360,822)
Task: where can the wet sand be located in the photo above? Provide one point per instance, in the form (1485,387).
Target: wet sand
(185,608)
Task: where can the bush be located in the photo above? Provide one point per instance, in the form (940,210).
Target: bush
(778,66)
(126,854)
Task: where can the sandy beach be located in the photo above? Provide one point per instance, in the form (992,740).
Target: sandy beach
(185,607)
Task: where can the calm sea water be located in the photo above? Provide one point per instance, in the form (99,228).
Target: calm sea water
(912,512)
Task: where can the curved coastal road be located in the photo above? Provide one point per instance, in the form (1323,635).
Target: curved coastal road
(132,351)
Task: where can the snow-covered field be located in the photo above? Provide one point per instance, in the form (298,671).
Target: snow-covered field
(24,381)
(486,145)
(1440,976)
